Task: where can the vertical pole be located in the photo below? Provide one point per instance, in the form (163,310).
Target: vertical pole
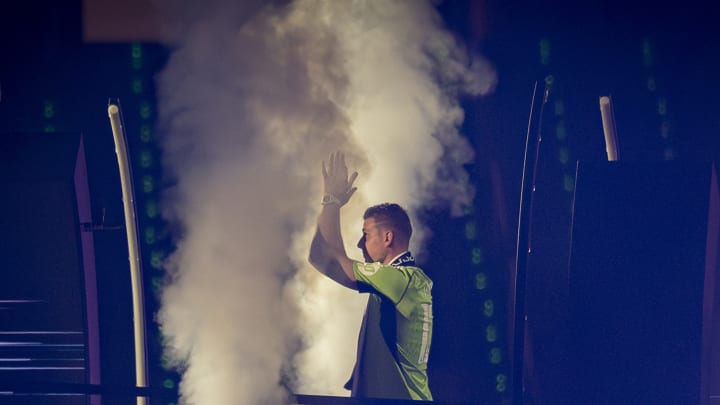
(136,279)
(523,247)
(609,129)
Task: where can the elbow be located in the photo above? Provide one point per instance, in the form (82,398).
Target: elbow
(313,259)
(318,260)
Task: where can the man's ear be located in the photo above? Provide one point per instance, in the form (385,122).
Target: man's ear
(389,237)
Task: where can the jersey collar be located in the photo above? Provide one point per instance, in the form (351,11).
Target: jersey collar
(403,259)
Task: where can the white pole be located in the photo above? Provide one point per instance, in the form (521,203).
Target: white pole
(136,280)
(608,121)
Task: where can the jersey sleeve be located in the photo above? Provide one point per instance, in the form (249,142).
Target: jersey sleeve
(390,281)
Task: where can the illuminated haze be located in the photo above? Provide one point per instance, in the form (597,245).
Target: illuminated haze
(252,99)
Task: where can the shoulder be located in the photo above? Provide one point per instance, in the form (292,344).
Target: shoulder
(379,269)
(419,283)
(417,273)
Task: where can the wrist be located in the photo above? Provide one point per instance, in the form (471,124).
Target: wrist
(329,199)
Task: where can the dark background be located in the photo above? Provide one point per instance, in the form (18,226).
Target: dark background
(659,64)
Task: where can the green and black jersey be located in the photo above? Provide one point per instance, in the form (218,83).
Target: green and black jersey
(409,290)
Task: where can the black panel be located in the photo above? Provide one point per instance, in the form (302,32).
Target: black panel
(637,270)
(42,314)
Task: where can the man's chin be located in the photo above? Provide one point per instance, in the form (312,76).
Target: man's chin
(367,258)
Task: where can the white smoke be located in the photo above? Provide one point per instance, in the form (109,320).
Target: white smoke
(252,99)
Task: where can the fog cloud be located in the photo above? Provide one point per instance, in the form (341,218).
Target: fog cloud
(253,98)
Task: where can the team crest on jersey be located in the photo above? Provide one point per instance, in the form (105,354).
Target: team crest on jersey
(368,269)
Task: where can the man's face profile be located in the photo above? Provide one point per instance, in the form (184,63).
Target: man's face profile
(372,243)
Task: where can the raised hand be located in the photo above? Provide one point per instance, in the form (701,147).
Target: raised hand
(338,186)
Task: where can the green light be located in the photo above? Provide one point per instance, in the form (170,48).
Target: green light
(568,183)
(157,284)
(560,131)
(156,259)
(151,209)
(136,54)
(651,85)
(166,362)
(662,106)
(477,256)
(669,153)
(149,235)
(136,50)
(563,155)
(168,383)
(48,109)
(559,108)
(665,129)
(49,128)
(146,159)
(495,355)
(137,85)
(488,308)
(470,230)
(145,133)
(491,333)
(501,381)
(544,51)
(148,183)
(145,110)
(647,53)
(480,281)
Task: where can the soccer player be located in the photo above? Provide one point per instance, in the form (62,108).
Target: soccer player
(396,333)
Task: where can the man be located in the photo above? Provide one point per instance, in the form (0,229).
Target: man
(395,337)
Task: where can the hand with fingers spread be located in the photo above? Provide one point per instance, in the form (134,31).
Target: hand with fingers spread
(338,186)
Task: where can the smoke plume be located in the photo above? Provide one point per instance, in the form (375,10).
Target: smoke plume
(252,99)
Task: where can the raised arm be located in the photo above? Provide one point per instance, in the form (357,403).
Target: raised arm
(327,252)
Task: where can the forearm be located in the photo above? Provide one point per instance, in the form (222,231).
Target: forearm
(329,227)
